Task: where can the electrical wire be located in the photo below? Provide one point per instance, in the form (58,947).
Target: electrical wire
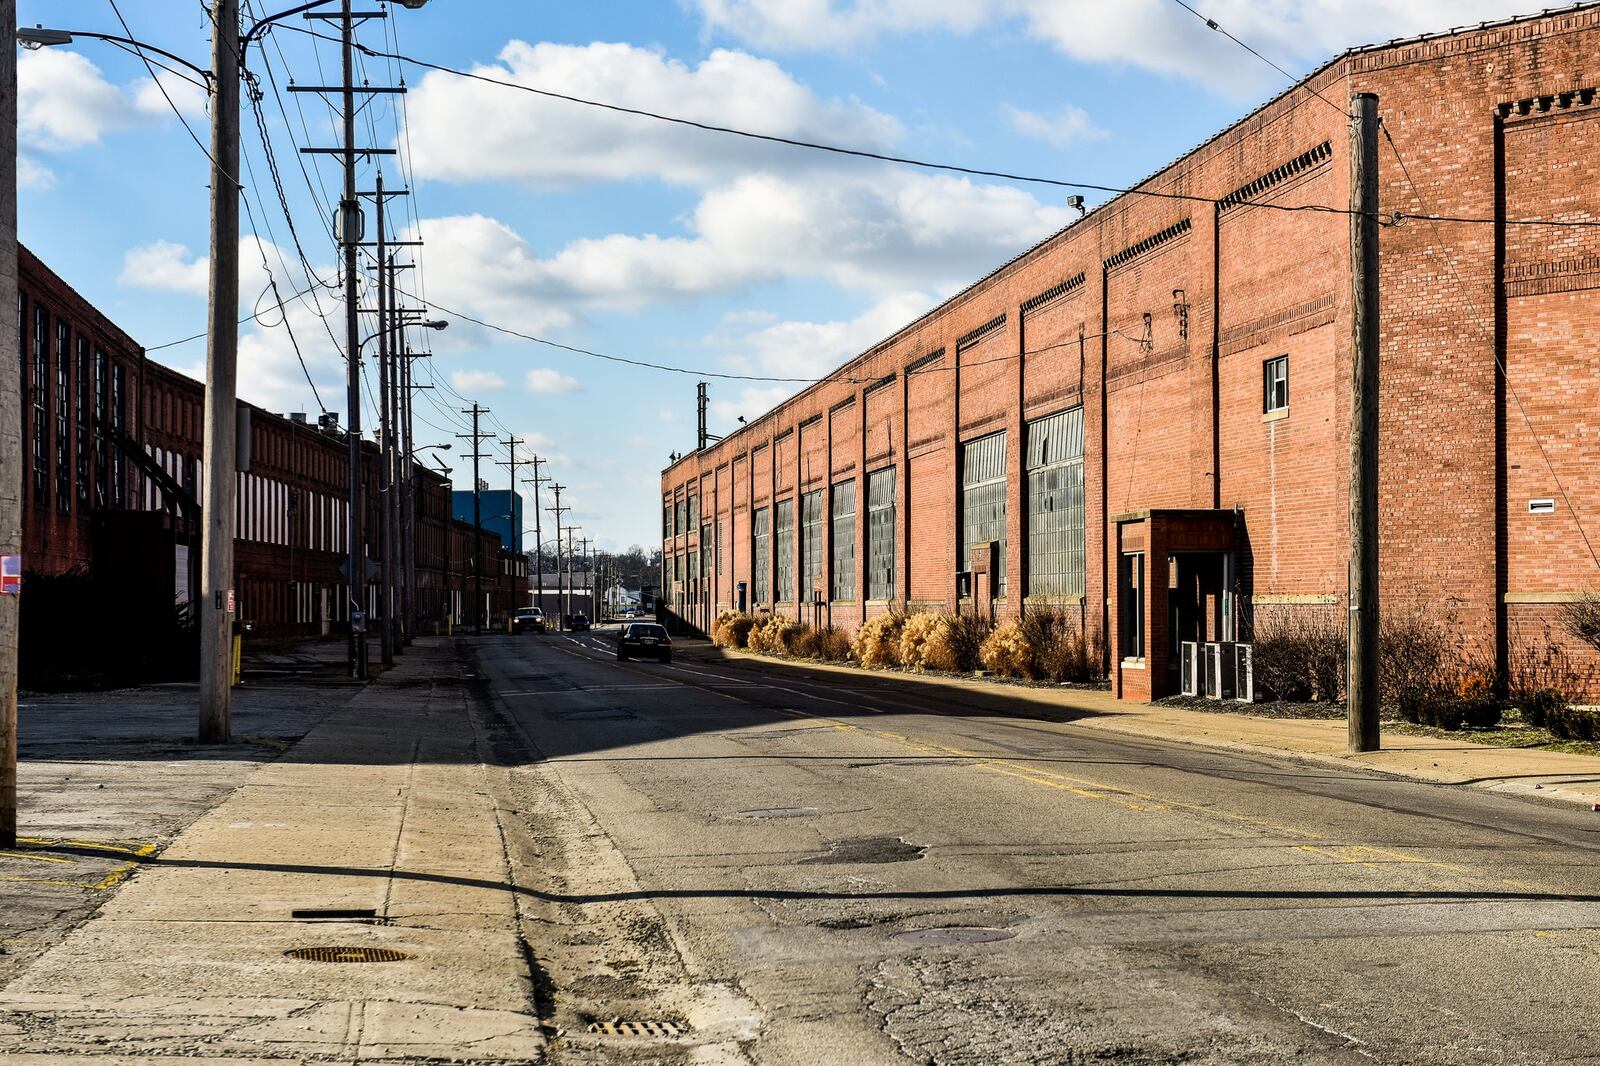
(1384,218)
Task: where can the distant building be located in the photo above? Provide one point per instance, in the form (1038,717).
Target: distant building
(502,514)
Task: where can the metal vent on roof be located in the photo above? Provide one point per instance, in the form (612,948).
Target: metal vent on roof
(972,337)
(1054,292)
(1302,162)
(1155,240)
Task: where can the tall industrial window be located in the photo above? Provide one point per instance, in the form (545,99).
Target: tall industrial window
(783,539)
(63,407)
(810,542)
(983,500)
(40,395)
(706,545)
(102,395)
(1275,381)
(666,521)
(716,550)
(81,430)
(1132,605)
(880,535)
(1055,504)
(694,513)
(842,552)
(760,556)
(681,517)
(119,405)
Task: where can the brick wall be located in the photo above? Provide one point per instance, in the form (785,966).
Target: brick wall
(1179,303)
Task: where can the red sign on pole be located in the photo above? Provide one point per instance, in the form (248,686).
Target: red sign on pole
(230,601)
(10,575)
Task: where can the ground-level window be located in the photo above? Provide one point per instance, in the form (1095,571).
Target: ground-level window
(843,546)
(760,556)
(1275,379)
(1054,463)
(880,535)
(1131,602)
(983,500)
(783,540)
(810,542)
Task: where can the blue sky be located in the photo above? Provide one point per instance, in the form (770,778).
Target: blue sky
(629,237)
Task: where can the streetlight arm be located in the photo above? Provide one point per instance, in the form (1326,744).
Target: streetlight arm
(255,31)
(38,37)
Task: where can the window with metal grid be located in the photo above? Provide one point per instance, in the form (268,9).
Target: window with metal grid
(983,500)
(810,542)
(843,547)
(880,535)
(63,406)
(1054,463)
(706,544)
(760,556)
(40,394)
(783,539)
(694,513)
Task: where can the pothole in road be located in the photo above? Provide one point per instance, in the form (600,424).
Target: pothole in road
(778,812)
(867,850)
(954,934)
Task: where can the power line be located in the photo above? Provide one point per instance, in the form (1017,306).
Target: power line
(1385,218)
(167,97)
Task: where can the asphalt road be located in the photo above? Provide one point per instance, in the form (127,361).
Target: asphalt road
(790,867)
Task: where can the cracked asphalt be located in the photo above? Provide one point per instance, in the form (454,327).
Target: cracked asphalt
(792,871)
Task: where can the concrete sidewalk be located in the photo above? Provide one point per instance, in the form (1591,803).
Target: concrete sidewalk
(1544,775)
(382,808)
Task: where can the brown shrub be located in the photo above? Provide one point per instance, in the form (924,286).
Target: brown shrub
(877,642)
(1007,652)
(915,635)
(773,636)
(832,645)
(801,641)
(732,629)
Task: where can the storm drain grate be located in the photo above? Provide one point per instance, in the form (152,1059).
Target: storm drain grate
(618,1027)
(343,954)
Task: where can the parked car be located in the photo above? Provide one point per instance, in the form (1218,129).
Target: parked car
(644,639)
(579,623)
(527,620)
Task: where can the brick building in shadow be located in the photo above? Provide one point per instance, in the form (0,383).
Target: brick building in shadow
(112,476)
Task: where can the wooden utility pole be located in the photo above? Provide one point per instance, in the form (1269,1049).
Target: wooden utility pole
(10,430)
(1362,687)
(558,510)
(478,610)
(538,531)
(220,446)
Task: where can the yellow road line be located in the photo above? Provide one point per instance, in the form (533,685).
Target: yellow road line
(34,858)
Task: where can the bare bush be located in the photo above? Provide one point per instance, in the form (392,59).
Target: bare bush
(833,646)
(1537,663)
(732,629)
(1582,619)
(1007,652)
(1299,653)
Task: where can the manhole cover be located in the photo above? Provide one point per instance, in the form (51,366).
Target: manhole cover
(867,850)
(957,934)
(779,812)
(618,1027)
(338,954)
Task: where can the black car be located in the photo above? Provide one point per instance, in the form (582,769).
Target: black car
(644,639)
(579,623)
(527,620)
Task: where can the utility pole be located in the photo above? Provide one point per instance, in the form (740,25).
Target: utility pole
(1362,687)
(558,511)
(588,575)
(477,438)
(538,530)
(386,529)
(220,445)
(10,430)
(514,522)
(408,504)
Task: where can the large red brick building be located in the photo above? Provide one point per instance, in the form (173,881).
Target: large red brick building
(113,476)
(1144,419)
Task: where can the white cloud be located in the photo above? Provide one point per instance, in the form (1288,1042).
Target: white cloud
(1068,125)
(466,131)
(880,229)
(468,381)
(32,174)
(1153,34)
(544,380)
(166,266)
(65,102)
(808,350)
